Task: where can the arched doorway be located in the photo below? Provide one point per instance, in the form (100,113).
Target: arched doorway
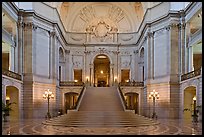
(132,100)
(12,96)
(101,71)
(189,94)
(70,100)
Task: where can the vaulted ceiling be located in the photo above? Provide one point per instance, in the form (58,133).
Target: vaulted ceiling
(125,16)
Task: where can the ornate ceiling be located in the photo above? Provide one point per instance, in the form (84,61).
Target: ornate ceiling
(101,17)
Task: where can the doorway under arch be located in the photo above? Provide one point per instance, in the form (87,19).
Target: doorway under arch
(101,71)
(70,100)
(12,96)
(132,101)
(189,94)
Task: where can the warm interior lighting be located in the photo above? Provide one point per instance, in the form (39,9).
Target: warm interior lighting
(7,98)
(75,80)
(87,78)
(101,71)
(115,78)
(126,80)
(101,57)
(194,98)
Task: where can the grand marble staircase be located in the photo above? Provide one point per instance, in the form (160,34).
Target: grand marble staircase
(100,107)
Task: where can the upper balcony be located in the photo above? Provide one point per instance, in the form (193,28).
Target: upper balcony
(191,74)
(71,83)
(132,84)
(11,74)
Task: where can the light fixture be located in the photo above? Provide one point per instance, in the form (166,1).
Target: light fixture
(48,95)
(75,80)
(126,80)
(101,71)
(194,98)
(87,78)
(154,95)
(7,98)
(101,57)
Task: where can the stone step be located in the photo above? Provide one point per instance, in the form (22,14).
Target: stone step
(100,107)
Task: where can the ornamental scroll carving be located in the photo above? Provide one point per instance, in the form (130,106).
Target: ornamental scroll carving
(125,62)
(101,30)
(77,61)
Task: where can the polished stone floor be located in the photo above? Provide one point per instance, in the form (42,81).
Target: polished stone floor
(166,127)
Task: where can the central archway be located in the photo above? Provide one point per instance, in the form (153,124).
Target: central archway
(101,71)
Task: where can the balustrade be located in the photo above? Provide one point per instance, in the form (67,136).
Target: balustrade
(191,74)
(11,74)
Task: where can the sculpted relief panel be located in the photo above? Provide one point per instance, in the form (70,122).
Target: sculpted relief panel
(125,62)
(77,61)
(100,23)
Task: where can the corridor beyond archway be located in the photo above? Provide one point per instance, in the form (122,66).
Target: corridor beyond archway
(101,71)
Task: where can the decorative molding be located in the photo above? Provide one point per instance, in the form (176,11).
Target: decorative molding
(76,37)
(52,33)
(87,13)
(77,61)
(127,38)
(102,30)
(115,13)
(30,25)
(67,51)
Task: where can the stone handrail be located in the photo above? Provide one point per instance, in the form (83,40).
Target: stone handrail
(191,74)
(11,74)
(122,96)
(79,97)
(135,84)
(71,83)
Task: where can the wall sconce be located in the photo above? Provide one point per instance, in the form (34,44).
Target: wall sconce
(126,80)
(7,98)
(75,80)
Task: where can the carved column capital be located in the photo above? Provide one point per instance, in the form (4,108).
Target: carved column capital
(30,25)
(20,24)
(52,33)
(67,51)
(136,51)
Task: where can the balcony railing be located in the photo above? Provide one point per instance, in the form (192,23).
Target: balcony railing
(134,84)
(71,83)
(11,74)
(191,74)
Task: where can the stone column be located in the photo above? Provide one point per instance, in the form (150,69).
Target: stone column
(16,56)
(148,55)
(3,93)
(67,64)
(20,40)
(152,55)
(91,79)
(29,68)
(12,57)
(111,74)
(190,59)
(187,35)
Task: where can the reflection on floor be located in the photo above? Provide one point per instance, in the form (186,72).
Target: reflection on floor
(166,127)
